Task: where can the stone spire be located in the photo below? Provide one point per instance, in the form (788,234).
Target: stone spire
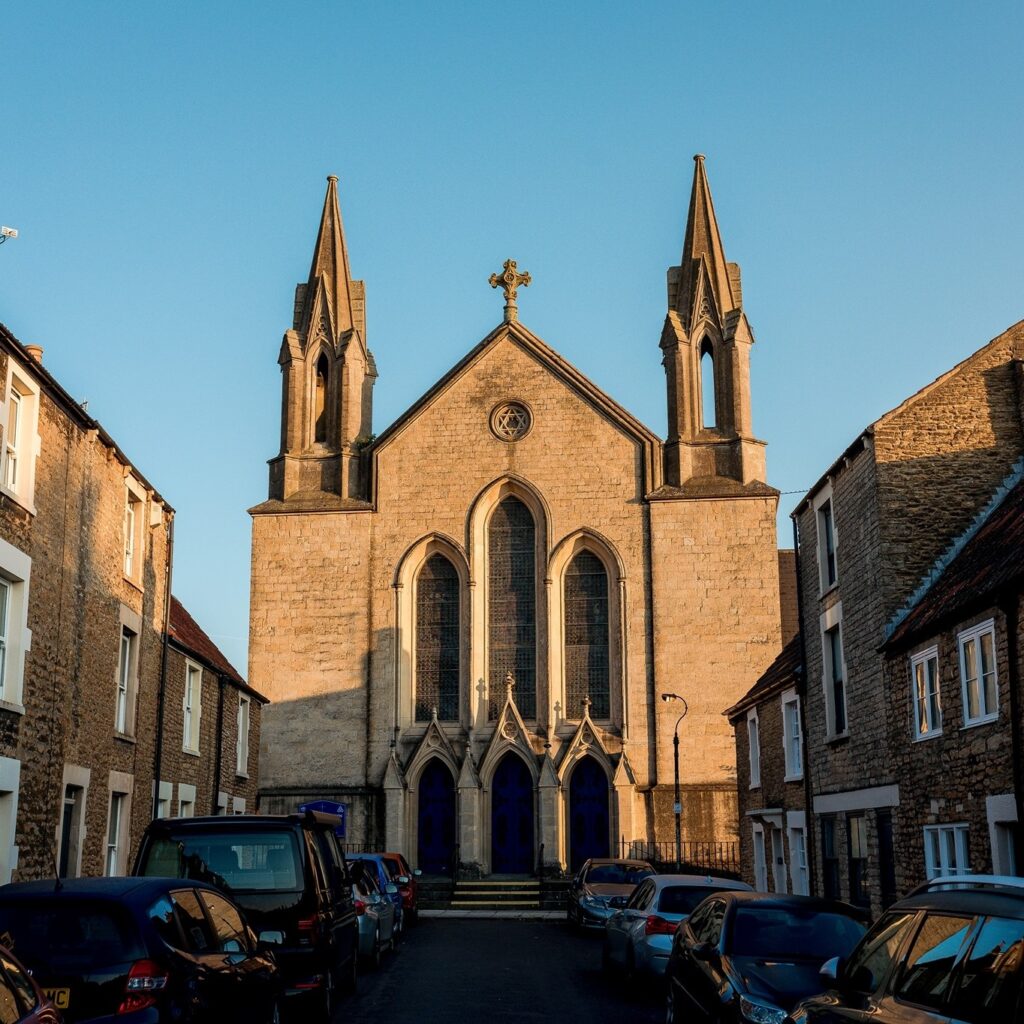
(703,250)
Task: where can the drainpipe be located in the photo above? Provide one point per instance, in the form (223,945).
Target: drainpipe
(219,735)
(158,756)
(809,831)
(1009,605)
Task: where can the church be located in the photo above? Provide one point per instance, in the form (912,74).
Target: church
(480,629)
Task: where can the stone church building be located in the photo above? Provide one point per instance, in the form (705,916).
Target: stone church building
(465,624)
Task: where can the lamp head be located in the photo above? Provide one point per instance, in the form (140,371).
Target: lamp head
(668,696)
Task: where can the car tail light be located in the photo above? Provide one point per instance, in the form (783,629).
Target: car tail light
(309,930)
(360,908)
(659,926)
(145,980)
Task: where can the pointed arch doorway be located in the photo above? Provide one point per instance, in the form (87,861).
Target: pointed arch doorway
(512,817)
(589,823)
(435,854)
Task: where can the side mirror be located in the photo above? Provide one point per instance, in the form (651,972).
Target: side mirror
(391,888)
(271,938)
(830,970)
(705,951)
(402,879)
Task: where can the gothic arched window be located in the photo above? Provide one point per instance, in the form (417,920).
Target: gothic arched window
(437,640)
(586,637)
(320,401)
(709,418)
(512,605)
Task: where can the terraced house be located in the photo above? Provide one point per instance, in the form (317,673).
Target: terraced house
(466,623)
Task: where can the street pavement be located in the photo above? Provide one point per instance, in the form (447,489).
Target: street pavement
(455,971)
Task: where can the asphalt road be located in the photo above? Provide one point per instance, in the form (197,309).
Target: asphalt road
(455,971)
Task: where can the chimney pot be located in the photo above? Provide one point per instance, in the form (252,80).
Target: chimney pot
(36,352)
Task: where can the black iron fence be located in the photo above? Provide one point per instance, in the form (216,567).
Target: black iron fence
(694,856)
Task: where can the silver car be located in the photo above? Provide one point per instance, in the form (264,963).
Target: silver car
(638,935)
(376,915)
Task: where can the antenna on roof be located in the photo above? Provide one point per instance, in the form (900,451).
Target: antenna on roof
(6,232)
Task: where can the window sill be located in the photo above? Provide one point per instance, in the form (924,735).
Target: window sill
(793,778)
(135,583)
(754,785)
(190,751)
(925,737)
(830,589)
(974,723)
(12,706)
(19,499)
(124,737)
(241,775)
(837,739)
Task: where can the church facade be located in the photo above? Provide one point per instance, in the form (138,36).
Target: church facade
(466,624)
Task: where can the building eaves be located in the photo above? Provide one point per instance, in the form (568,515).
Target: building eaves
(56,393)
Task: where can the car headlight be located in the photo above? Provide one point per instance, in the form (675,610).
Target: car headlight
(757,1012)
(594,901)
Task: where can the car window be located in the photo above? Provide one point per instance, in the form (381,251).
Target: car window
(194,925)
(618,874)
(10,1010)
(710,927)
(990,977)
(331,853)
(696,920)
(229,931)
(22,983)
(929,968)
(638,898)
(683,899)
(319,867)
(165,923)
(801,933)
(232,860)
(870,962)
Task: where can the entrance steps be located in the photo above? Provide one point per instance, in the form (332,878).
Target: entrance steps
(497,894)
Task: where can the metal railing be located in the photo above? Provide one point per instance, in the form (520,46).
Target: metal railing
(695,855)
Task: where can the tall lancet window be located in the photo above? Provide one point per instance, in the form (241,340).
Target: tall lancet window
(437,640)
(320,401)
(586,637)
(707,386)
(512,606)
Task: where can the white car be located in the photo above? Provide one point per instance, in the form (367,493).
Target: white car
(638,935)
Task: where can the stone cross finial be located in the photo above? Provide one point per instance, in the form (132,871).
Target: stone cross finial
(433,713)
(510,682)
(587,704)
(509,281)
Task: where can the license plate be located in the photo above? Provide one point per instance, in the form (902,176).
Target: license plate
(60,997)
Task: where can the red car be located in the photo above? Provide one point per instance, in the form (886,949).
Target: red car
(21,999)
(406,880)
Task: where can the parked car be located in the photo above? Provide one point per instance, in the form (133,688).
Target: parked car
(638,935)
(751,956)
(289,876)
(596,883)
(141,950)
(951,951)
(376,865)
(377,917)
(22,1001)
(408,884)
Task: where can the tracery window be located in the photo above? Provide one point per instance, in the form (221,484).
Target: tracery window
(586,636)
(437,640)
(512,604)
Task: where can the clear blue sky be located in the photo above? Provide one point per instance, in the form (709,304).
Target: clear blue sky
(165,165)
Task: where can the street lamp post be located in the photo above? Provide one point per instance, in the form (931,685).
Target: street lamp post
(678,807)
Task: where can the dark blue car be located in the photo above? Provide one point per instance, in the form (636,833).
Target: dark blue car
(376,865)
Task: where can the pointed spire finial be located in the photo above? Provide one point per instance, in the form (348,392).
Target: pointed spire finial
(330,265)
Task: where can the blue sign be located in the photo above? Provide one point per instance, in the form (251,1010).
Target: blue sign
(329,807)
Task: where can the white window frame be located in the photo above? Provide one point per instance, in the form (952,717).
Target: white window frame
(15,570)
(792,751)
(125,656)
(133,536)
(238,805)
(760,858)
(10,787)
(946,850)
(975,634)
(242,737)
(117,834)
(163,799)
(926,705)
(797,833)
(754,747)
(780,873)
(186,800)
(823,497)
(192,708)
(832,618)
(19,458)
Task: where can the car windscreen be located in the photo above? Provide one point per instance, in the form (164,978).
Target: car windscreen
(683,899)
(617,874)
(264,860)
(60,937)
(792,933)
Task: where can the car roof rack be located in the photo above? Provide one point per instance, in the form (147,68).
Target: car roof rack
(970,882)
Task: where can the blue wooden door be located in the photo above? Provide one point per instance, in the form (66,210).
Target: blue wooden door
(588,813)
(436,832)
(512,850)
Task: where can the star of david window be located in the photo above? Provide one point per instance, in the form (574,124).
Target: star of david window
(511,421)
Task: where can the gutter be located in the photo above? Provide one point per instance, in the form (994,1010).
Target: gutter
(1009,604)
(219,734)
(158,755)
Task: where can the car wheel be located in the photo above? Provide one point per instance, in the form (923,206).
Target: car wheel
(327,1000)
(670,1007)
(375,955)
(275,1013)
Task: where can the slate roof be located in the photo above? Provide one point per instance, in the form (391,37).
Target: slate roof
(190,636)
(990,561)
(783,672)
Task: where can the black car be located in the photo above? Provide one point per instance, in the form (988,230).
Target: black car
(953,951)
(140,951)
(289,875)
(749,956)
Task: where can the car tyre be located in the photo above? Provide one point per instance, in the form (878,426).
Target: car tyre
(670,1006)
(275,1013)
(375,955)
